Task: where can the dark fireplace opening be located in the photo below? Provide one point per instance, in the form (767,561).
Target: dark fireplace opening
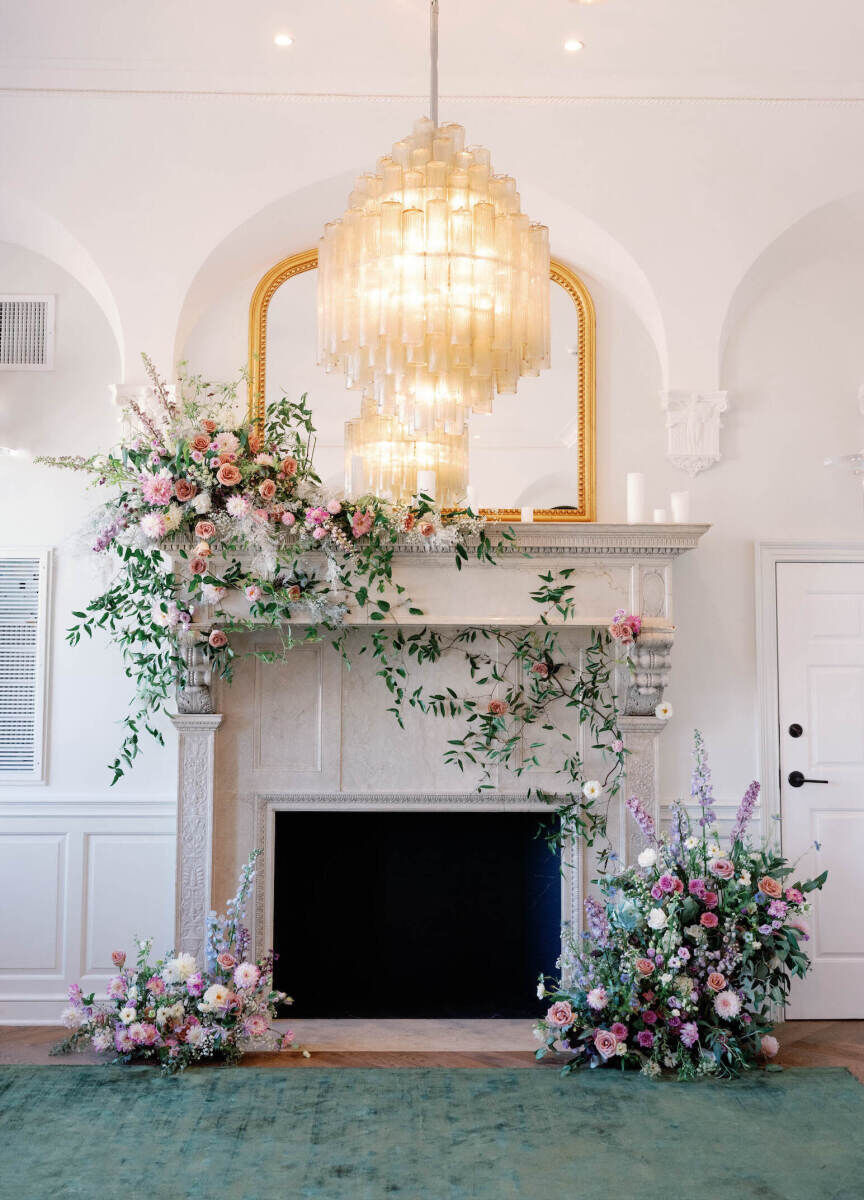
(414,914)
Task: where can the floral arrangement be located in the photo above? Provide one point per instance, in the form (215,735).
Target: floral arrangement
(681,961)
(208,507)
(174,1012)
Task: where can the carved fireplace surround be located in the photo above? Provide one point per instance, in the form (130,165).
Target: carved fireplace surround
(614,566)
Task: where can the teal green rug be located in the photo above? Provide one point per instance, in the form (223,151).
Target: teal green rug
(432,1134)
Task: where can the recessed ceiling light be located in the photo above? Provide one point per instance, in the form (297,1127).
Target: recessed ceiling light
(572,45)
(283,39)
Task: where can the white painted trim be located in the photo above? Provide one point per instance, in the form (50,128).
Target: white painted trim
(768,555)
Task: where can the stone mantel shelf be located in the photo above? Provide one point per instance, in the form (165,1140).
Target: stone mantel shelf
(580,539)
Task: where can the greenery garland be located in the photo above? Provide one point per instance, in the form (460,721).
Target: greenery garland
(206,503)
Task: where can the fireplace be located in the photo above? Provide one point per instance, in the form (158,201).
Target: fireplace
(414,913)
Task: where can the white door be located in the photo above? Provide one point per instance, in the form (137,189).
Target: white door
(820,616)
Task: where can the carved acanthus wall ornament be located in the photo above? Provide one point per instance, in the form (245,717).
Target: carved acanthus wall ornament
(693,429)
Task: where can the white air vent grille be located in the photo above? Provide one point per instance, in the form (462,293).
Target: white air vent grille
(26,333)
(23,589)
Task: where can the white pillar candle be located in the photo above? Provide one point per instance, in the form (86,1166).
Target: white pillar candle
(635,498)
(659,516)
(527,515)
(426,481)
(680,502)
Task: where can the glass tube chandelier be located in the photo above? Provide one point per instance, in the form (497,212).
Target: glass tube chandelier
(433,296)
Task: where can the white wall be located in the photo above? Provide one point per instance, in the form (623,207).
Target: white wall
(82,867)
(721,242)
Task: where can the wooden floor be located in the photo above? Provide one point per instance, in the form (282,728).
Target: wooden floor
(449,1044)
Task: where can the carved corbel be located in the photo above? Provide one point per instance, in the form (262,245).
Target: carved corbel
(693,428)
(650,664)
(193,691)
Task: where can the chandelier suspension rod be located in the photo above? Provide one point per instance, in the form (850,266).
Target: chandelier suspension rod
(433,62)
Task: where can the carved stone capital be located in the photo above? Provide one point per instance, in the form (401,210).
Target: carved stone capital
(693,428)
(196,744)
(193,693)
(650,664)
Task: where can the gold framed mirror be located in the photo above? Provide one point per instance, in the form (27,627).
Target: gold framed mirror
(575,416)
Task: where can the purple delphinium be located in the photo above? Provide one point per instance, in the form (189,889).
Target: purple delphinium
(597,922)
(642,818)
(745,812)
(701,788)
(679,830)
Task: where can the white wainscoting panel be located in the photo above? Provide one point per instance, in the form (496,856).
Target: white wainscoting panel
(82,877)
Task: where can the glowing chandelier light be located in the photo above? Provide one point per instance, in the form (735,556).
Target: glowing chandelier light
(433,295)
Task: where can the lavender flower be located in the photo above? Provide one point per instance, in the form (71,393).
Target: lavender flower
(597,922)
(642,818)
(745,812)
(701,788)
(680,828)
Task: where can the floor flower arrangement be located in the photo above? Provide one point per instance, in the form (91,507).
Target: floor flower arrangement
(686,952)
(177,1012)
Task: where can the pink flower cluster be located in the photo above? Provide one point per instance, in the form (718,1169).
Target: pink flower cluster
(625,627)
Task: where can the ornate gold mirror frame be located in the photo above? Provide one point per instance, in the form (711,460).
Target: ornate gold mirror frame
(297,264)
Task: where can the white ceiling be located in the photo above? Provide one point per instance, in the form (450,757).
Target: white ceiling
(768,48)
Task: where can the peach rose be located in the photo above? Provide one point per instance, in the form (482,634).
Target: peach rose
(409,522)
(254,442)
(716,981)
(644,966)
(217,639)
(267,489)
(769,1046)
(228,475)
(770,887)
(293,592)
(497,708)
(426,528)
(202,550)
(227,456)
(560,1014)
(722,868)
(605,1042)
(198,565)
(289,466)
(200,442)
(225,960)
(205,530)
(541,669)
(184,490)
(209,425)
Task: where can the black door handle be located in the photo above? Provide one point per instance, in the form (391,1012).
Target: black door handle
(796,779)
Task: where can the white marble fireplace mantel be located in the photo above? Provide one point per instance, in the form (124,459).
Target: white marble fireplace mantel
(613,566)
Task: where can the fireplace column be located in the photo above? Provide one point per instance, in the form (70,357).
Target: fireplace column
(196,734)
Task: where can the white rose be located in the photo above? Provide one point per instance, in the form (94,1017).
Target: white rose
(656,918)
(202,503)
(591,789)
(621,1049)
(647,858)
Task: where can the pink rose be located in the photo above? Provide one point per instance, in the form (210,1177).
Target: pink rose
(209,425)
(541,669)
(722,868)
(202,550)
(198,565)
(709,920)
(288,519)
(184,490)
(497,708)
(716,981)
(769,1046)
(267,489)
(606,1042)
(226,960)
(770,887)
(426,528)
(217,639)
(560,1014)
(118,958)
(645,967)
(205,530)
(289,466)
(228,475)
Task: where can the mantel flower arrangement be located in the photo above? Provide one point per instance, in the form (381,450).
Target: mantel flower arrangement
(682,959)
(176,1012)
(206,504)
